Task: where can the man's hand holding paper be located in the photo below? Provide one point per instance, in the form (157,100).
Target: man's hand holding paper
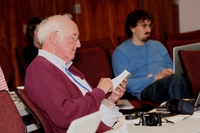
(119,84)
(117,80)
(118,92)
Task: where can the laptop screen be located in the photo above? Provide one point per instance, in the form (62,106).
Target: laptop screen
(197,103)
(176,62)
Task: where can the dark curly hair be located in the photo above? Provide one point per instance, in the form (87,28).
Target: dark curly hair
(31,28)
(133,18)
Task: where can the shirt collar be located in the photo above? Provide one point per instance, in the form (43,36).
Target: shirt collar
(54,59)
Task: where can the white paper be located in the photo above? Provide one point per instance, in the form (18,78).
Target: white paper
(176,118)
(122,129)
(124,104)
(117,80)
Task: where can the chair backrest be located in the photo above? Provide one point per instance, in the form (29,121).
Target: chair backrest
(35,112)
(94,63)
(190,65)
(121,39)
(3,84)
(182,36)
(10,119)
(6,66)
(105,43)
(171,44)
(20,60)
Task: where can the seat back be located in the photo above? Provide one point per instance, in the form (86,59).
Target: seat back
(10,119)
(20,61)
(192,35)
(171,44)
(3,84)
(6,66)
(121,39)
(35,112)
(94,63)
(190,65)
(105,43)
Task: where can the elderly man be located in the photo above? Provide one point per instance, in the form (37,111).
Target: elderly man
(60,90)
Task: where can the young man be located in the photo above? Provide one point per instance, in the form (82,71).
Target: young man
(148,61)
(60,90)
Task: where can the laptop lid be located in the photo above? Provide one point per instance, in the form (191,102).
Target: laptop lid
(176,61)
(197,102)
(86,124)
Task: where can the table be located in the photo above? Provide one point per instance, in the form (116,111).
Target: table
(189,125)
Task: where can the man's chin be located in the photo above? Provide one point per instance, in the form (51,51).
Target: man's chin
(145,39)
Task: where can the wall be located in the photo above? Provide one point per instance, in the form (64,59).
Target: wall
(189,15)
(103,18)
(15,14)
(165,15)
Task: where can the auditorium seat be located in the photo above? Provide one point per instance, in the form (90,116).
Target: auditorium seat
(190,61)
(171,44)
(104,43)
(95,63)
(192,35)
(7,67)
(121,39)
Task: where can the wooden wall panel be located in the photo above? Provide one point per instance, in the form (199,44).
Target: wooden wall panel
(103,18)
(15,14)
(165,15)
(64,6)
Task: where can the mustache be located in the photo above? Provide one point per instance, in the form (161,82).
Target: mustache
(147,33)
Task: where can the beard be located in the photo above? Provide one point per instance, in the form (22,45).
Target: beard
(147,37)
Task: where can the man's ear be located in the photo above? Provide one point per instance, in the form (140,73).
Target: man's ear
(132,29)
(54,38)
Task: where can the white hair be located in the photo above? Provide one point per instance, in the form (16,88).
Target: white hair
(49,25)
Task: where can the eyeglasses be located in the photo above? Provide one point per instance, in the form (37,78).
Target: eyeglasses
(143,25)
(74,37)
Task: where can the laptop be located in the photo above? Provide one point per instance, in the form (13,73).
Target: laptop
(176,61)
(86,124)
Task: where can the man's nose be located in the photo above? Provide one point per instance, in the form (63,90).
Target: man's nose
(78,44)
(148,28)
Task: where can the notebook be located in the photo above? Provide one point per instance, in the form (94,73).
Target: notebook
(86,124)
